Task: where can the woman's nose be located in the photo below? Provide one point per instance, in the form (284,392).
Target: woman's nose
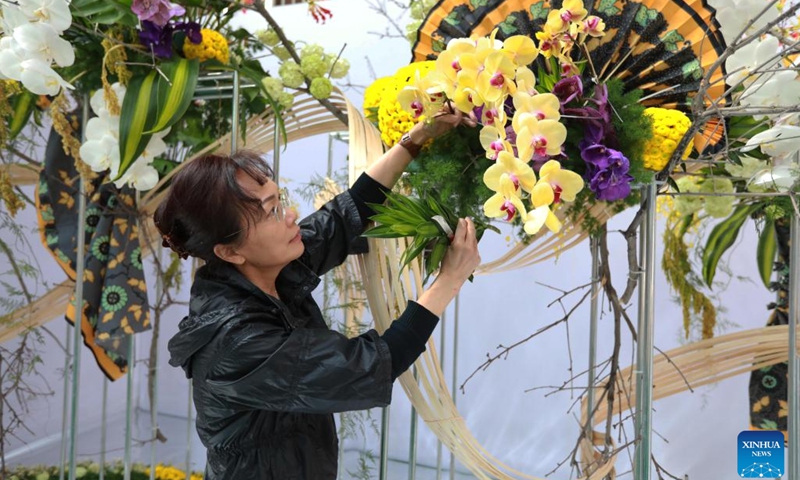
(291,215)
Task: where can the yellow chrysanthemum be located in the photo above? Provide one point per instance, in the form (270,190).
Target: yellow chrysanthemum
(372,97)
(393,121)
(214,45)
(669,126)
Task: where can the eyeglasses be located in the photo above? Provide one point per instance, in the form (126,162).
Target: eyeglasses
(279,210)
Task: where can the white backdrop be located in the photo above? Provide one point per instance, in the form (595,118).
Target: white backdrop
(530,431)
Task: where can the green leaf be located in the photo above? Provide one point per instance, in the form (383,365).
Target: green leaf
(766,252)
(23,107)
(381,231)
(138,113)
(104,12)
(413,251)
(173,95)
(437,255)
(722,238)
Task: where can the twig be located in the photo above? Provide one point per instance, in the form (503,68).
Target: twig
(506,350)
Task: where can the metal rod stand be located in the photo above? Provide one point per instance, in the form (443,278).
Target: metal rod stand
(793,451)
(644,345)
(78,318)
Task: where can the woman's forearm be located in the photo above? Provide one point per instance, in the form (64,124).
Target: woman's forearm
(388,168)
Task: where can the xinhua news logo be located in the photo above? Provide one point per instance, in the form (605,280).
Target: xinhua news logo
(760,454)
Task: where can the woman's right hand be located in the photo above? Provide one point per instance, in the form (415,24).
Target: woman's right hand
(462,257)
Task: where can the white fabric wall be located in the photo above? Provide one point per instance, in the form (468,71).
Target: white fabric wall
(530,431)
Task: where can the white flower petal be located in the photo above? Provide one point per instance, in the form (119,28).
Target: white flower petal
(781,140)
(40,79)
(41,41)
(100,154)
(10,64)
(141,176)
(13,18)
(780,178)
(52,12)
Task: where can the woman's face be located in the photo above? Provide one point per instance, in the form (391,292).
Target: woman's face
(274,240)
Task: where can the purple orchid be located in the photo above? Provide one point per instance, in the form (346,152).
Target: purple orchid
(568,89)
(156,11)
(607,172)
(159,39)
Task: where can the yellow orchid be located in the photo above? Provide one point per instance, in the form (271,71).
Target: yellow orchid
(593,26)
(494,141)
(526,81)
(506,202)
(448,63)
(466,96)
(520,49)
(494,114)
(540,137)
(508,166)
(496,80)
(539,217)
(490,42)
(570,11)
(549,42)
(556,184)
(423,98)
(543,106)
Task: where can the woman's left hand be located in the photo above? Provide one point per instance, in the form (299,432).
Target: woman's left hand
(443,121)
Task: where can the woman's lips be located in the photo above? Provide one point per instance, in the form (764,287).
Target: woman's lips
(296,238)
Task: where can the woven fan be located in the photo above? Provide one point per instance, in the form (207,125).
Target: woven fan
(663,47)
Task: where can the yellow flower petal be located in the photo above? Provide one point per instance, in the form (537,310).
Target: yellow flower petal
(542,194)
(552,222)
(492,206)
(521,48)
(535,219)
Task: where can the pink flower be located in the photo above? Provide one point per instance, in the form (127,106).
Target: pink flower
(157,11)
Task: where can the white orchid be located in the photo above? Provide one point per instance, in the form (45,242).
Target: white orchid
(30,42)
(11,56)
(781,89)
(734,15)
(780,179)
(39,78)
(141,176)
(101,154)
(101,149)
(779,141)
(755,57)
(42,42)
(54,13)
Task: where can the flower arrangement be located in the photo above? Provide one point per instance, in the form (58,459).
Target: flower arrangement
(561,132)
(151,54)
(545,132)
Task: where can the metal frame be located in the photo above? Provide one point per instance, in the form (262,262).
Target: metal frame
(644,380)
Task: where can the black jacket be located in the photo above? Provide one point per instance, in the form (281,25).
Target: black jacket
(268,374)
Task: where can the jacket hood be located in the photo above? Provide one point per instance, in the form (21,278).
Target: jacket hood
(196,331)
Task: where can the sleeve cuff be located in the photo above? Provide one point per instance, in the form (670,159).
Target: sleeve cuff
(421,321)
(367,190)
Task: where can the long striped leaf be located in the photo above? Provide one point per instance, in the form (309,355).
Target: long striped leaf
(173,95)
(766,252)
(23,107)
(722,238)
(138,113)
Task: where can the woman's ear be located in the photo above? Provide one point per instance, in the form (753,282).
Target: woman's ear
(228,253)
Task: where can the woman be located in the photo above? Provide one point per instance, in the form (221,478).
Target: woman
(267,372)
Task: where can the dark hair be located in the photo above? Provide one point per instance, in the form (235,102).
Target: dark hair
(206,206)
